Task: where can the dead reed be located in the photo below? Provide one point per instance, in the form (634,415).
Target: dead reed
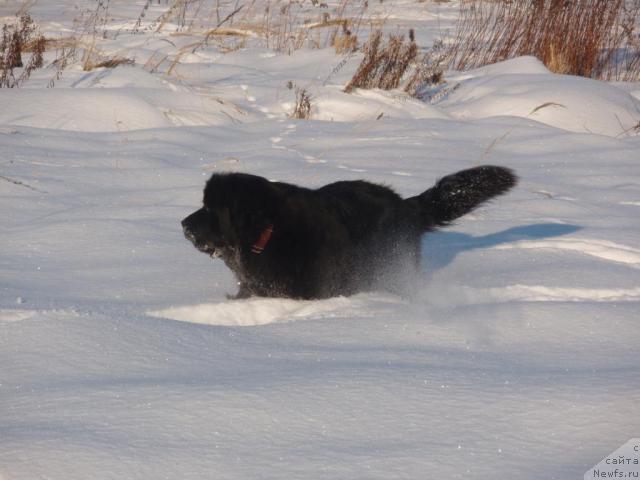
(384,65)
(591,38)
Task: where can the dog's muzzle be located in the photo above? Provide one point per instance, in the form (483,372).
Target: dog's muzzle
(188,233)
(201,246)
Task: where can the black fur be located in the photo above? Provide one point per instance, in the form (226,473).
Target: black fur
(342,238)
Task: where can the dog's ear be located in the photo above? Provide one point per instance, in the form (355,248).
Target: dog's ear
(260,205)
(245,203)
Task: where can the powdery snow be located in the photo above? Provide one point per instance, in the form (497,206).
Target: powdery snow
(571,103)
(262,311)
(120,356)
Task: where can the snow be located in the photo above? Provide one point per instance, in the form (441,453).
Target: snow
(262,311)
(570,103)
(120,356)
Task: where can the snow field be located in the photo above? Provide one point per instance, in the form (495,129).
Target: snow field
(121,358)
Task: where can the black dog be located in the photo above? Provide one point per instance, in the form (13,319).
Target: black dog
(282,240)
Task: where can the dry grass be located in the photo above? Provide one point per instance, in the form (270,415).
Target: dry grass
(14,69)
(112,62)
(345,42)
(204,41)
(53,44)
(154,62)
(384,65)
(591,38)
(90,29)
(282,25)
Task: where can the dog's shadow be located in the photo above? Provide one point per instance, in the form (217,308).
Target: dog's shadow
(440,248)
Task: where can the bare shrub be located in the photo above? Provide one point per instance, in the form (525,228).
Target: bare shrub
(591,38)
(302,109)
(623,49)
(429,70)
(18,40)
(384,65)
(66,53)
(98,18)
(141,16)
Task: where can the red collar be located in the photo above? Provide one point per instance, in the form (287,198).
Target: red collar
(264,238)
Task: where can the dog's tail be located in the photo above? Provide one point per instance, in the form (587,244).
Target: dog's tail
(459,193)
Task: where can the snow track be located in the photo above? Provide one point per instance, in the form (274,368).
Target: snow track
(602,249)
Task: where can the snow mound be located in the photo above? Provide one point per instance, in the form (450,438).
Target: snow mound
(337,106)
(10,315)
(122,77)
(111,109)
(568,102)
(82,110)
(263,311)
(520,65)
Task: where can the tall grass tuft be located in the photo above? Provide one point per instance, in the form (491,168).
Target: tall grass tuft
(591,38)
(384,65)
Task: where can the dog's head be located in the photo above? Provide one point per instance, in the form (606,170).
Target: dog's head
(236,208)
